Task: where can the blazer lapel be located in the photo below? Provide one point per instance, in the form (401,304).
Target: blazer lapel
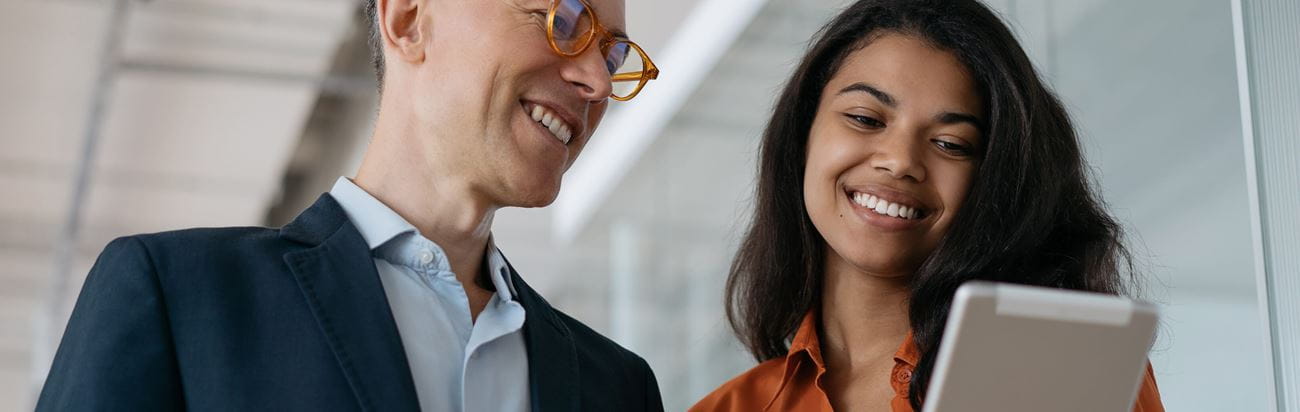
(552,354)
(339,281)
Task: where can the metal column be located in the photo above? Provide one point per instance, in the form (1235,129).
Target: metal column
(1267,34)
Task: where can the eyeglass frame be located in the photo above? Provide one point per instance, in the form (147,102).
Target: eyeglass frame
(608,39)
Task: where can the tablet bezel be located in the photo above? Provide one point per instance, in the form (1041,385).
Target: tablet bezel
(980,303)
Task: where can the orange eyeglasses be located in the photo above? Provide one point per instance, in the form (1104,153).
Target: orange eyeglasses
(571,27)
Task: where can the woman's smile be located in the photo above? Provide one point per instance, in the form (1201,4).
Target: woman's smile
(886,209)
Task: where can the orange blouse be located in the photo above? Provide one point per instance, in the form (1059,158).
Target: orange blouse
(793,383)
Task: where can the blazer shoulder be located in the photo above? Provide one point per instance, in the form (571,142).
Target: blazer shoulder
(208,237)
(211,252)
(624,375)
(200,242)
(592,346)
(598,345)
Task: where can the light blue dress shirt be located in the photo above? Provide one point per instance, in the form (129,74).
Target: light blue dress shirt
(457,364)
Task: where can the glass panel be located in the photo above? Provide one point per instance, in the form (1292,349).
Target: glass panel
(1153,87)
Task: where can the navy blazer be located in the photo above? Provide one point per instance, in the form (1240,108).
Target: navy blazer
(289,319)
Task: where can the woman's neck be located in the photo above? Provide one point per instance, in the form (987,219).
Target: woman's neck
(863,316)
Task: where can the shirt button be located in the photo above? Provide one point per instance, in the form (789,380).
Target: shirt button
(905,376)
(426,257)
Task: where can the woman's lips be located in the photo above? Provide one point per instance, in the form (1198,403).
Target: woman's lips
(885,209)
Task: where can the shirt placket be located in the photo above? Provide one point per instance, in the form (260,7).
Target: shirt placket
(499,319)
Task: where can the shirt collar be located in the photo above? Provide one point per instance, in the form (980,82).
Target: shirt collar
(379,224)
(376,221)
(500,276)
(807,342)
(806,346)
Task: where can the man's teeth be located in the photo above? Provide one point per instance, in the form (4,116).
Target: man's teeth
(885,207)
(552,122)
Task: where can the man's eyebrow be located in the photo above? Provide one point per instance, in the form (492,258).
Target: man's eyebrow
(613,31)
(871,90)
(957,117)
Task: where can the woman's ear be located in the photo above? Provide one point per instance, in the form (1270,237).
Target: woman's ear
(404,28)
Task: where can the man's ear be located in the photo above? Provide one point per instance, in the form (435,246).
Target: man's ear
(404,28)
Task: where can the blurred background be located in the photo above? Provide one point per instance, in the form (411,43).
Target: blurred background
(127,116)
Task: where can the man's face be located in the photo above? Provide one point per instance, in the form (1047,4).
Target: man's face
(488,70)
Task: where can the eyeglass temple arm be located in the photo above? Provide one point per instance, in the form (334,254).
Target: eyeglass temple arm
(650,72)
(628,77)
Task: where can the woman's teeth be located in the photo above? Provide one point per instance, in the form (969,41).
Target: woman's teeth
(885,207)
(552,122)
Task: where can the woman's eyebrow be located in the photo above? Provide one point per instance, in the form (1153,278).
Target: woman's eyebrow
(888,100)
(871,90)
(958,117)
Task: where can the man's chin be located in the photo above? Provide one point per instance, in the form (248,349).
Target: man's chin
(538,195)
(535,203)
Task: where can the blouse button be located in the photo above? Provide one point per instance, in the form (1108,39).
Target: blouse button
(905,376)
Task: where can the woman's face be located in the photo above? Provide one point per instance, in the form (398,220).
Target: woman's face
(891,154)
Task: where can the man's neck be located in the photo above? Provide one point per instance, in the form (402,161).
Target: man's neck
(446,210)
(447,215)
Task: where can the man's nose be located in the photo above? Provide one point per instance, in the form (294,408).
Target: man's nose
(589,75)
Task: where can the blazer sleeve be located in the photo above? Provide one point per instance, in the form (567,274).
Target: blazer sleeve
(117,352)
(654,401)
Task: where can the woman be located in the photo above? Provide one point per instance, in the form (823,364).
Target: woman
(914,149)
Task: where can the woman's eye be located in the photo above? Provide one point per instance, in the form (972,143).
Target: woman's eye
(864,121)
(954,148)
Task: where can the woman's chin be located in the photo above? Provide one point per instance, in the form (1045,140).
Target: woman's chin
(879,265)
(886,272)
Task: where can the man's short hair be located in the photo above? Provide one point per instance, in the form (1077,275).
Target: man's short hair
(376,41)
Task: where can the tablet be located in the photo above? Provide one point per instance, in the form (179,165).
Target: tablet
(1014,348)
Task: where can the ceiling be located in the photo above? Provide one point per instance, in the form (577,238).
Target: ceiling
(201,113)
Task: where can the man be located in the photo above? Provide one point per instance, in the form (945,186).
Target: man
(387,294)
